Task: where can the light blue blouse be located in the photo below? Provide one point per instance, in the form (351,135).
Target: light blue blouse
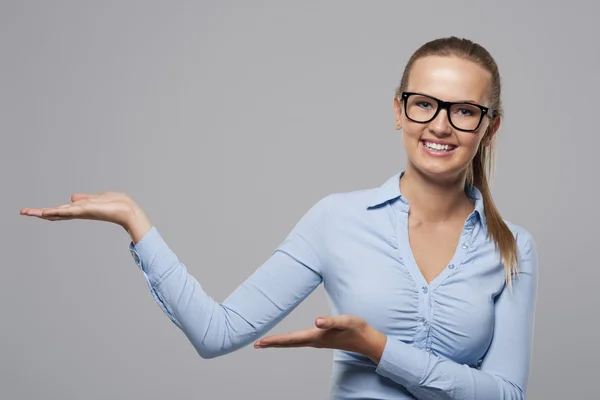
(465,335)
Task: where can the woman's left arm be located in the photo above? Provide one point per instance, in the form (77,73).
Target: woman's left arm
(504,372)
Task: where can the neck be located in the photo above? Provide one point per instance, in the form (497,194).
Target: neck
(435,201)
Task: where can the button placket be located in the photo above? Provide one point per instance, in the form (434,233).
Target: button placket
(463,249)
(425,311)
(401,209)
(431,318)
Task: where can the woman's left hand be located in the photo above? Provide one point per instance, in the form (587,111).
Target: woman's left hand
(344,332)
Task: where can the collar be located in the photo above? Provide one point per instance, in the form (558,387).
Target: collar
(477,198)
(390,191)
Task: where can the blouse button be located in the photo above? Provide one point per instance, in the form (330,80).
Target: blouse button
(451,266)
(425,290)
(136,258)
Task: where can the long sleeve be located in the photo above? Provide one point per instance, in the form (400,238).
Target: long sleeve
(504,372)
(287,277)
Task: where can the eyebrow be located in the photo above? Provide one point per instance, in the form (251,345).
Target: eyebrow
(457,101)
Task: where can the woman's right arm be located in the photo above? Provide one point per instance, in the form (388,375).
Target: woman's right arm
(287,277)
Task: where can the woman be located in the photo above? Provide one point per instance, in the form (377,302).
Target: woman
(434,294)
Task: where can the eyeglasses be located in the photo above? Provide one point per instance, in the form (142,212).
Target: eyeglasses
(463,116)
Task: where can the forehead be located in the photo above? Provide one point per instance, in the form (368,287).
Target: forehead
(450,79)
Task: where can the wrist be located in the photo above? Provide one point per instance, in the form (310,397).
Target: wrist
(375,344)
(137,224)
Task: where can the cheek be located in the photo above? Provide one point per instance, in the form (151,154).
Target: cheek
(411,131)
(470,143)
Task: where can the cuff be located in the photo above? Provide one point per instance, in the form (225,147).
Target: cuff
(402,363)
(152,254)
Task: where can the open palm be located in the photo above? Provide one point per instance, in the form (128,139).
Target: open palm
(112,207)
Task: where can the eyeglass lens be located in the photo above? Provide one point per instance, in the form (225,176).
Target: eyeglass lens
(422,108)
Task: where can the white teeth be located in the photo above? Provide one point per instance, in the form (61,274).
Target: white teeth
(436,146)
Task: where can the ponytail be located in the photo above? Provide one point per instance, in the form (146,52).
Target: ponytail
(478,175)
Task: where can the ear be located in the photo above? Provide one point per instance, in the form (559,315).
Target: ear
(491,131)
(397,106)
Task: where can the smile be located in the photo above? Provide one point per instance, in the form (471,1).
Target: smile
(437,149)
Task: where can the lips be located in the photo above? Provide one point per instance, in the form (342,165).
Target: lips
(438,145)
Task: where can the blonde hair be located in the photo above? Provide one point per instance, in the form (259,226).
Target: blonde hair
(480,169)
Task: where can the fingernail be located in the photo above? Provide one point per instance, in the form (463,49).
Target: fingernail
(320,322)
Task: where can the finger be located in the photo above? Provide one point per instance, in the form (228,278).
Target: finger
(282,340)
(37,212)
(338,322)
(82,196)
(323,322)
(33,212)
(103,197)
(327,322)
(298,338)
(283,346)
(56,218)
(60,213)
(100,197)
(64,211)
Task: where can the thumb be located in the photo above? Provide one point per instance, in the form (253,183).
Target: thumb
(80,196)
(324,322)
(339,322)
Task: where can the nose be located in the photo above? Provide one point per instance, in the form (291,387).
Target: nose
(441,124)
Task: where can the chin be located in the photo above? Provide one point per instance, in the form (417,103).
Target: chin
(437,172)
(442,168)
(438,165)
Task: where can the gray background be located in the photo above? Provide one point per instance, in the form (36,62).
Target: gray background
(226,122)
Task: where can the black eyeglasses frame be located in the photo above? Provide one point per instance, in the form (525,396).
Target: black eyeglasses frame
(445,105)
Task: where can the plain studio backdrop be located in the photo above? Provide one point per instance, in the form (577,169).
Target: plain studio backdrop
(226,122)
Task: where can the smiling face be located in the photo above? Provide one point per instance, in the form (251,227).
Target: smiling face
(436,148)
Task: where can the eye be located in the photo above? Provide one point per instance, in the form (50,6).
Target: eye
(464,112)
(424,104)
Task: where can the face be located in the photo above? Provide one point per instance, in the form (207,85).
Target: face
(436,148)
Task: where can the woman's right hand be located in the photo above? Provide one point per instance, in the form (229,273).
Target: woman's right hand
(117,208)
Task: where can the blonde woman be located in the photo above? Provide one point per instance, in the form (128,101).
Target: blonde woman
(433,292)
